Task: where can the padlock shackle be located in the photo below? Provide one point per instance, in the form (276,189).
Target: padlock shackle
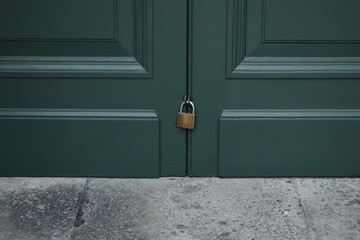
(187,102)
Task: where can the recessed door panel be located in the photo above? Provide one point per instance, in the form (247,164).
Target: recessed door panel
(310,21)
(55,20)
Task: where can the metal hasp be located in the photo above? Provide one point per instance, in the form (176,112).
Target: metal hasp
(186,120)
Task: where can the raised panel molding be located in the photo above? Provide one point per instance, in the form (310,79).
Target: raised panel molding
(77,113)
(89,67)
(290,113)
(139,65)
(297,67)
(240,65)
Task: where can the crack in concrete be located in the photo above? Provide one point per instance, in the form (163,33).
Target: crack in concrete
(82,197)
(307,220)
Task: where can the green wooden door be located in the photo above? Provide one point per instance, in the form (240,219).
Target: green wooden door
(276,85)
(91,88)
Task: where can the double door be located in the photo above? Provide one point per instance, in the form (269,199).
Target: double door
(92,88)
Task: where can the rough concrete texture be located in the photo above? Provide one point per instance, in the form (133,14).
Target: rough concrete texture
(37,208)
(179,208)
(332,207)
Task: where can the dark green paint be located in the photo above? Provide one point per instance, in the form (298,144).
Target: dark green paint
(244,63)
(251,53)
(325,20)
(42,19)
(248,56)
(84,74)
(128,54)
(79,143)
(294,144)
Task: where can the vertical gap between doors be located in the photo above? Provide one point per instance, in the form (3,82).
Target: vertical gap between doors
(188,79)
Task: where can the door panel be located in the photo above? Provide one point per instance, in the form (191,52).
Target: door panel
(70,44)
(79,143)
(257,48)
(279,143)
(96,21)
(91,88)
(310,21)
(276,88)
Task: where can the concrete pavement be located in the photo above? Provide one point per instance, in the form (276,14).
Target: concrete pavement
(180,208)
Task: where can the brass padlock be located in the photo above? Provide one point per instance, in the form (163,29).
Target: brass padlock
(186,120)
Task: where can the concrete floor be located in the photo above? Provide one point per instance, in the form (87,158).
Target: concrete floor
(179,208)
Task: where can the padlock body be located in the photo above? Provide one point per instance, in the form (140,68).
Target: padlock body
(185,120)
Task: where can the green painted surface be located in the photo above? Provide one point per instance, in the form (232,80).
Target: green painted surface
(325,20)
(79,143)
(233,54)
(242,62)
(100,78)
(289,143)
(41,19)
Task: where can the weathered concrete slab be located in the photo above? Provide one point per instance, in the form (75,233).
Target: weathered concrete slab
(332,207)
(187,208)
(116,209)
(38,208)
(179,209)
